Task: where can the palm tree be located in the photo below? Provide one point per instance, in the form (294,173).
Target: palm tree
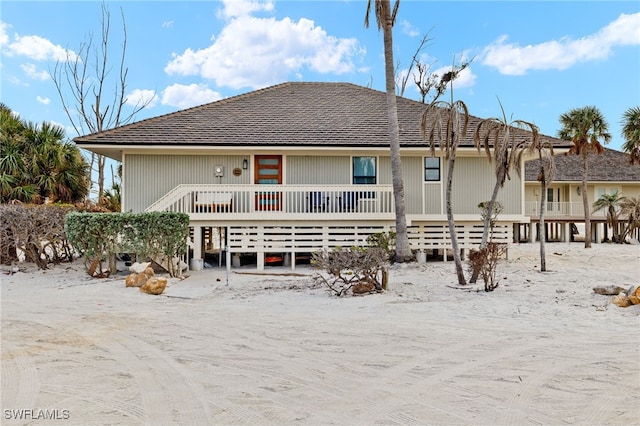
(72,176)
(16,181)
(386,17)
(611,203)
(585,127)
(446,123)
(631,133)
(36,163)
(630,207)
(547,170)
(503,146)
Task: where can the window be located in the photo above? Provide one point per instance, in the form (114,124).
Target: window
(364,170)
(432,169)
(602,190)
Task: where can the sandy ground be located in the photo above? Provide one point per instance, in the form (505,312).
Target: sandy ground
(274,349)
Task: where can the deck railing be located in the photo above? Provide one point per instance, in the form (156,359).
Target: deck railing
(278,200)
(557,209)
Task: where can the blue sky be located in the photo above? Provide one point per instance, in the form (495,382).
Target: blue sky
(540,58)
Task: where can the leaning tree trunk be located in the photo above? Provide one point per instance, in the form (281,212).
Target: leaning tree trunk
(585,200)
(487,222)
(452,228)
(403,251)
(613,218)
(542,234)
(487,219)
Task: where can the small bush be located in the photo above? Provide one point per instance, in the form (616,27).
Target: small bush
(384,240)
(349,267)
(485,262)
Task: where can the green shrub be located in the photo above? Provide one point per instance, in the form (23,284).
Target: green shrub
(99,236)
(385,241)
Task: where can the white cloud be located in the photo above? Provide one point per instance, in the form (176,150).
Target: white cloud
(182,96)
(235,8)
(409,29)
(16,81)
(4,37)
(139,97)
(513,59)
(38,48)
(32,71)
(43,101)
(256,52)
(167,24)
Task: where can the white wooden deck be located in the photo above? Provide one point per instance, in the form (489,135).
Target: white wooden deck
(281,202)
(293,219)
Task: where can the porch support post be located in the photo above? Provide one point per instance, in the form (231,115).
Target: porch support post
(567,232)
(599,231)
(197,242)
(447,241)
(533,232)
(228,261)
(260,252)
(516,232)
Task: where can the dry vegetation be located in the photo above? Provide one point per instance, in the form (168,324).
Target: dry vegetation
(35,230)
(359,270)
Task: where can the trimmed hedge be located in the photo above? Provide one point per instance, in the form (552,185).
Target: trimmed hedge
(100,236)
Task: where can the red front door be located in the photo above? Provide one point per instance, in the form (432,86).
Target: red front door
(268,171)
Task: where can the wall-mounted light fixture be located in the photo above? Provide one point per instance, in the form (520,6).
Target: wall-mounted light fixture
(579,190)
(245,164)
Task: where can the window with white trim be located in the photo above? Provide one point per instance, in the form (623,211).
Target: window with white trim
(431,169)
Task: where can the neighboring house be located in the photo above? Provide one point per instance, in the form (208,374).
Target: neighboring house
(293,168)
(608,172)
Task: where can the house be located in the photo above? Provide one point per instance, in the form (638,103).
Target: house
(608,172)
(297,167)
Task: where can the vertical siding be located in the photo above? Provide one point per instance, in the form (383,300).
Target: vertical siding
(336,170)
(384,170)
(473,182)
(631,189)
(412,174)
(309,170)
(433,198)
(532,191)
(149,177)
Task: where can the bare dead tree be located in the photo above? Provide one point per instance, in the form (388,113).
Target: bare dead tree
(403,80)
(432,85)
(92,96)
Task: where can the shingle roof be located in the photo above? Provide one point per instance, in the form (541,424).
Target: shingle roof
(610,166)
(288,114)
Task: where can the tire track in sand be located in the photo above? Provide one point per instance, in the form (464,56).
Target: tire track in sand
(168,394)
(22,370)
(492,356)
